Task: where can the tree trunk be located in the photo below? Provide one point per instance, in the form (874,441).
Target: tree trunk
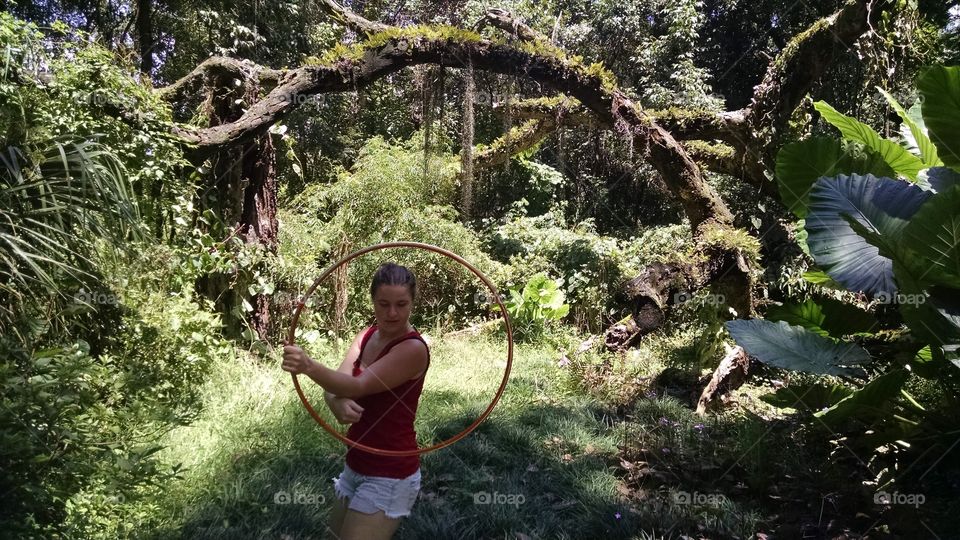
(244,190)
(145,35)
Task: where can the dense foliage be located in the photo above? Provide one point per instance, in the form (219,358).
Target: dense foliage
(117,251)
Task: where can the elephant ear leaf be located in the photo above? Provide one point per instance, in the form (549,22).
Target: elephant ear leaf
(914,132)
(940,178)
(899,159)
(867,402)
(882,206)
(796,348)
(934,235)
(940,88)
(800,164)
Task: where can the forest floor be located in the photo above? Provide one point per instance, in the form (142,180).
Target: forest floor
(555,459)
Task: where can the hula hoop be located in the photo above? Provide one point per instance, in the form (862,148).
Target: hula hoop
(506,374)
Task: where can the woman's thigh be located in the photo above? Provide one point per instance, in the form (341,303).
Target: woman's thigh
(359,526)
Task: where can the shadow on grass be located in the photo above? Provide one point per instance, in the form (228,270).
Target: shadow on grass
(508,476)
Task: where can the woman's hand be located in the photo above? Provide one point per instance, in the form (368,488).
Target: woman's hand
(295,360)
(346,410)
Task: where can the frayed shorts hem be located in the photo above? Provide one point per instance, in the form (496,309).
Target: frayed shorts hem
(371,494)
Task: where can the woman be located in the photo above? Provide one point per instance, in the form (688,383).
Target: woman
(376,389)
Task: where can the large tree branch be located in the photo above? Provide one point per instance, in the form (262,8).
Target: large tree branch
(219,66)
(504,20)
(350,19)
(802,62)
(683,124)
(396,48)
(518,139)
(399,49)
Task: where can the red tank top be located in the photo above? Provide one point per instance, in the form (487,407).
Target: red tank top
(387,421)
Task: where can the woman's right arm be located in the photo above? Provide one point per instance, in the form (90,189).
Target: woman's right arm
(346,410)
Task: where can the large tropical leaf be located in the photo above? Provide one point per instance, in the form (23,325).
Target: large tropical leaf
(808,315)
(899,159)
(826,316)
(940,88)
(932,313)
(881,205)
(914,132)
(800,164)
(870,401)
(940,178)
(842,319)
(796,348)
(934,235)
(809,396)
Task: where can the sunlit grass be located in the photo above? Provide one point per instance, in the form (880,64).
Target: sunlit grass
(549,458)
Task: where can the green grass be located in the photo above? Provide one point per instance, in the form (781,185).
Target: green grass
(575,462)
(550,452)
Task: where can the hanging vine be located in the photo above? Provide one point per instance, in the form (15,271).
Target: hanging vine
(466,143)
(427,115)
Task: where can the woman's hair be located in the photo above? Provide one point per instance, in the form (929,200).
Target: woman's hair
(393,274)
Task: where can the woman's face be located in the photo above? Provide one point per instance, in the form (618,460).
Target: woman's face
(392,305)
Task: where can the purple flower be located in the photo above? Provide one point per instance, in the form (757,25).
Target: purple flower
(617,515)
(699,428)
(664,421)
(665,450)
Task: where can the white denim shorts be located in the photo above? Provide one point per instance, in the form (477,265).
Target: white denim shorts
(370,494)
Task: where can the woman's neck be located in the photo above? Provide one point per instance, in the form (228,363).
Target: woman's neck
(392,335)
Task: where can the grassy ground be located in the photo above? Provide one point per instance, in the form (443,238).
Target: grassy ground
(557,460)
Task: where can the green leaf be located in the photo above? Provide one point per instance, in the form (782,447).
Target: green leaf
(800,164)
(897,157)
(936,318)
(869,400)
(940,88)
(811,396)
(933,234)
(882,206)
(808,315)
(918,135)
(842,319)
(924,364)
(801,238)
(796,348)
(819,277)
(826,317)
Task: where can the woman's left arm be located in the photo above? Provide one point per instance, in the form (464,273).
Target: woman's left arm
(404,360)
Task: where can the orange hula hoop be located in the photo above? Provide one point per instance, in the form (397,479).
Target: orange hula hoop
(506,374)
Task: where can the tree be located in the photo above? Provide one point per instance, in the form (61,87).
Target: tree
(750,135)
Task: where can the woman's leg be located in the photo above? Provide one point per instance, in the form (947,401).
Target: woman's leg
(337,514)
(360,526)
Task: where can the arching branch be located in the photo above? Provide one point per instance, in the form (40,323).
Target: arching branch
(350,19)
(521,138)
(219,66)
(802,62)
(504,20)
